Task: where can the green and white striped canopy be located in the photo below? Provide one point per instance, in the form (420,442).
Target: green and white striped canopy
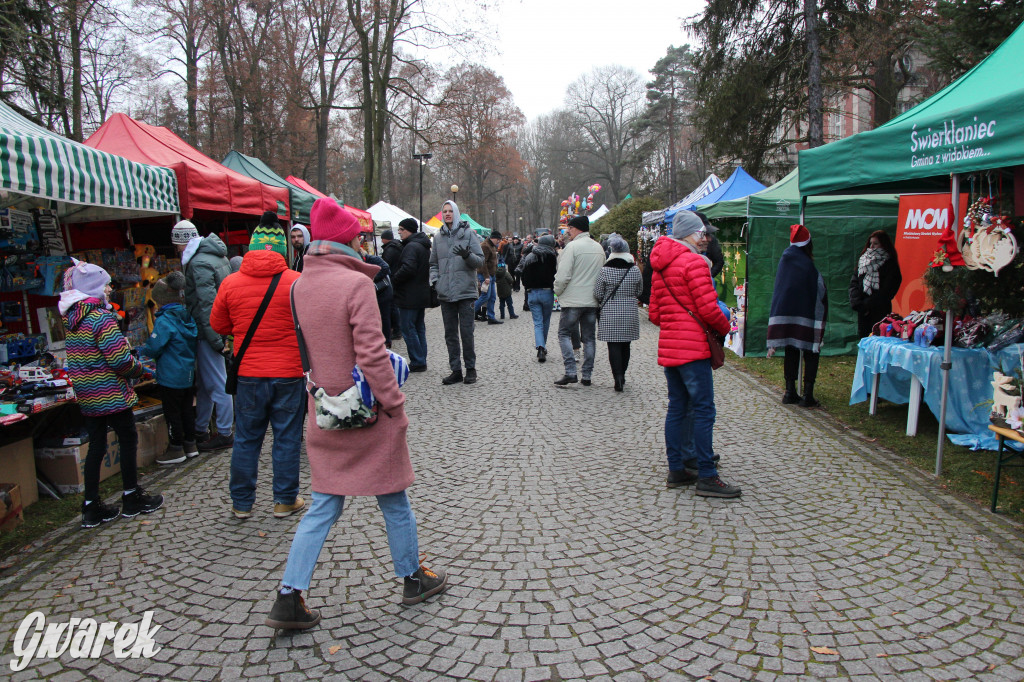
(86,184)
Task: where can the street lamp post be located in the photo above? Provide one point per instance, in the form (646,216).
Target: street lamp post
(455,190)
(422,158)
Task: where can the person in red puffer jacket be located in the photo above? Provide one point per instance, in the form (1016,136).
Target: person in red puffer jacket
(271,388)
(681,294)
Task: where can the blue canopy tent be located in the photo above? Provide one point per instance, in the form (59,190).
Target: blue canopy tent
(739,185)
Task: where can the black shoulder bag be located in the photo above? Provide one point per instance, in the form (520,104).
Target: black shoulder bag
(609,296)
(231,383)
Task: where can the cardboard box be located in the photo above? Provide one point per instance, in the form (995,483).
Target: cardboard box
(18,465)
(63,462)
(153,439)
(11,510)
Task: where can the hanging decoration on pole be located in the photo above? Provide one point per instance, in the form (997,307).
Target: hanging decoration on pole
(987,241)
(576,205)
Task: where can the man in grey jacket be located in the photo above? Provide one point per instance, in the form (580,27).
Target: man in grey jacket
(579,266)
(205,264)
(454,259)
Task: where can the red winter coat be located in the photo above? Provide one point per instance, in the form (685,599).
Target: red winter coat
(274,350)
(686,273)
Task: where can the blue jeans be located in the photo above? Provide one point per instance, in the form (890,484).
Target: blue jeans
(414,331)
(690,416)
(278,402)
(211,373)
(487,297)
(541,302)
(316,524)
(586,320)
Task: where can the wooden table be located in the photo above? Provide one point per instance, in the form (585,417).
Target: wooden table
(1002,456)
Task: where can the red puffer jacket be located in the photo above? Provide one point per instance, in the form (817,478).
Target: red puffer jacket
(274,350)
(686,273)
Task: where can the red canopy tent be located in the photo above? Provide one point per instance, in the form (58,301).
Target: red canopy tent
(203,184)
(299,182)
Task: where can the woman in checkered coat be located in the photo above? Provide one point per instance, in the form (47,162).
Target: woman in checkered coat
(617,290)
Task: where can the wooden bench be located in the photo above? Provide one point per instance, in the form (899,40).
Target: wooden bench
(1003,456)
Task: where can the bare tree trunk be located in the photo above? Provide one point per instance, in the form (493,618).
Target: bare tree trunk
(815,108)
(75,36)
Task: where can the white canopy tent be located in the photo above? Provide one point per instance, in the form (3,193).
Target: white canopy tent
(384,212)
(599,213)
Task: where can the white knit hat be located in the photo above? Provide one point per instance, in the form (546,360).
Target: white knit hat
(182,232)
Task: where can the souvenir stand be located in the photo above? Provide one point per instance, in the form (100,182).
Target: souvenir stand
(52,189)
(966,138)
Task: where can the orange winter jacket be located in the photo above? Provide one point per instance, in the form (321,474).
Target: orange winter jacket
(274,350)
(687,274)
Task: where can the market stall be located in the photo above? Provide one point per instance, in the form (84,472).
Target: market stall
(968,137)
(710,184)
(840,226)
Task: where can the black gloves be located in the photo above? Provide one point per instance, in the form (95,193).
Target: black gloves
(461,251)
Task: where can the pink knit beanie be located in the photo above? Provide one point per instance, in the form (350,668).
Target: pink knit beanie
(329,221)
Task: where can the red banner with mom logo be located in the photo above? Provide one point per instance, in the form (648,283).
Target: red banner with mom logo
(922,219)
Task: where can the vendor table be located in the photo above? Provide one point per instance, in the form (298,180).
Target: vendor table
(1002,458)
(902,372)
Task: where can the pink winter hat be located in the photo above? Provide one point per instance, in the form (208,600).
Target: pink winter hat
(329,221)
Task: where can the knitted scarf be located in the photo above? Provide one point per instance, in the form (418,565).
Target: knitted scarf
(868,266)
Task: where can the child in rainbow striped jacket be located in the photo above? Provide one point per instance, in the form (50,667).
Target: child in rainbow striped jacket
(100,363)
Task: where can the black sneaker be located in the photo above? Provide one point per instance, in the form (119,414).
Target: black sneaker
(217,441)
(513,317)
(453,378)
(585,382)
(422,584)
(417,368)
(542,354)
(790,398)
(96,513)
(470,377)
(716,487)
(566,380)
(692,463)
(808,401)
(290,612)
(677,479)
(140,502)
(491,320)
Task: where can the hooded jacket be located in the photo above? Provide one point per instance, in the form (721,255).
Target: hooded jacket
(173,345)
(274,349)
(204,272)
(412,277)
(682,278)
(578,268)
(454,275)
(100,360)
(299,253)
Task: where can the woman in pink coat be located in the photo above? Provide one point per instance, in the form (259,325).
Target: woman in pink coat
(341,331)
(683,303)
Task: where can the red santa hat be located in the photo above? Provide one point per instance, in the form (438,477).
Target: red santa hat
(799,236)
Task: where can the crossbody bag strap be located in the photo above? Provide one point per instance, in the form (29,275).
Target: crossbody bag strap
(609,296)
(673,295)
(256,320)
(303,353)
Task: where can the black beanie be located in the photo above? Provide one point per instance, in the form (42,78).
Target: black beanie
(495,234)
(410,225)
(388,235)
(269,218)
(580,222)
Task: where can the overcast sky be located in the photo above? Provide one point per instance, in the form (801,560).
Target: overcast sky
(547,44)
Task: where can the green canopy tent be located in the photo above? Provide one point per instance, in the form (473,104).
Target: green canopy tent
(82,184)
(300,200)
(840,226)
(974,124)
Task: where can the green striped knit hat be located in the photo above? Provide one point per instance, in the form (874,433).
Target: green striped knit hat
(269,238)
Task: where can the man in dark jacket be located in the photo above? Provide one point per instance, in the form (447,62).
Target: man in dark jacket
(538,269)
(411,279)
(391,252)
(205,264)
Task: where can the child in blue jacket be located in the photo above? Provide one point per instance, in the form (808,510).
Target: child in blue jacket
(173,345)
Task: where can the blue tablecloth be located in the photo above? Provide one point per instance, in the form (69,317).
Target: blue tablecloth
(970,382)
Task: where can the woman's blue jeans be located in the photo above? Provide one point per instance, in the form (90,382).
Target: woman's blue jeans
(541,302)
(690,420)
(316,524)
